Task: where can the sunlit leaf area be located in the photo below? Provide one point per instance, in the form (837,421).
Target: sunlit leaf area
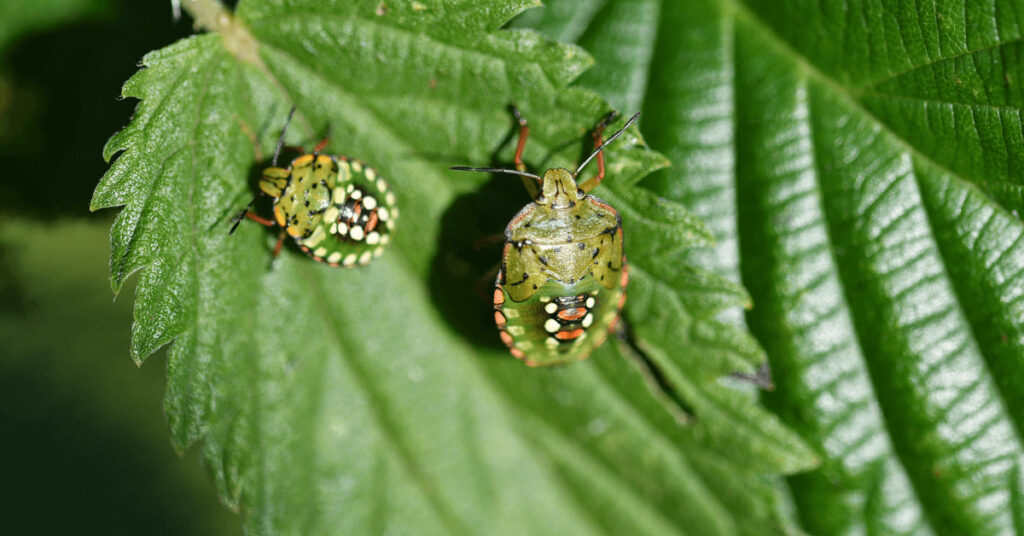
(822,330)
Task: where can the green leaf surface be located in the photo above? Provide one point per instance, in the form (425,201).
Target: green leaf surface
(380,399)
(860,164)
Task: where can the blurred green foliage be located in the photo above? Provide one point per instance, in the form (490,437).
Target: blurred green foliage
(84,447)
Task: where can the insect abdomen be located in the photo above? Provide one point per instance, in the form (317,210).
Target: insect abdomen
(357,226)
(559,323)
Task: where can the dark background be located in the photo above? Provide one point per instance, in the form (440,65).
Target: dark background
(85,446)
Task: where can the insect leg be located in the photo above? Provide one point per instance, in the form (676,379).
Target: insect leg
(259,219)
(484,285)
(598,140)
(243,214)
(277,246)
(488,240)
(524,132)
(323,143)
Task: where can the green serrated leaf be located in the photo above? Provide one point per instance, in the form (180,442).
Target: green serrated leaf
(380,399)
(859,165)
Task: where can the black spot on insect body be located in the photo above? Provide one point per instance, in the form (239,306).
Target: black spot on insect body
(525,277)
(581,245)
(543,260)
(577,216)
(307,201)
(593,255)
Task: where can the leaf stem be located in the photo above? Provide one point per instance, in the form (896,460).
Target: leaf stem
(214,17)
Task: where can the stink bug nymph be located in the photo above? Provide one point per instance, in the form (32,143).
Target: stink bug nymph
(337,209)
(562,280)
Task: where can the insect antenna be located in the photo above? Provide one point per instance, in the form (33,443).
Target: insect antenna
(496,170)
(237,219)
(605,144)
(280,140)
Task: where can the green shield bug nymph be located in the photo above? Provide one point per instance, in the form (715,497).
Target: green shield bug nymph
(562,280)
(337,209)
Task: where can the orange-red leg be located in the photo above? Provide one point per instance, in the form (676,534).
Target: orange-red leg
(524,132)
(279,244)
(598,140)
(320,146)
(259,219)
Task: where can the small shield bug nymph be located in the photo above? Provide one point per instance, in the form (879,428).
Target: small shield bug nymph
(337,209)
(562,280)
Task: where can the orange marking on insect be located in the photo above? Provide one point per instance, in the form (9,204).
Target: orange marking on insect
(622,300)
(302,160)
(279,215)
(569,335)
(357,209)
(518,354)
(518,218)
(572,314)
(506,338)
(625,276)
(499,296)
(603,205)
(372,222)
(499,319)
